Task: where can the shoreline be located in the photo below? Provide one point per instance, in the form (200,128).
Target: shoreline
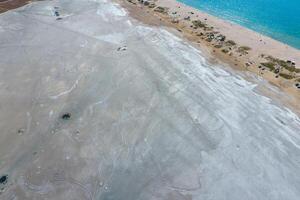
(224,41)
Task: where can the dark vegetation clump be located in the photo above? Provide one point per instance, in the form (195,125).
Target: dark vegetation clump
(244,49)
(161,9)
(3,179)
(225,50)
(66,116)
(218,46)
(199,24)
(230,43)
(288,65)
(269,65)
(286,76)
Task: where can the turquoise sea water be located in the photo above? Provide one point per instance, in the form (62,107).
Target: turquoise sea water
(279,19)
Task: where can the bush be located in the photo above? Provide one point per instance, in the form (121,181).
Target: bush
(244,48)
(225,50)
(199,24)
(152,5)
(230,42)
(218,46)
(269,65)
(160,9)
(285,64)
(290,68)
(286,76)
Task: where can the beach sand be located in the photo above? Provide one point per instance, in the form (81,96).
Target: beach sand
(180,17)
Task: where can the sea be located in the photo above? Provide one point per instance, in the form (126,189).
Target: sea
(278,19)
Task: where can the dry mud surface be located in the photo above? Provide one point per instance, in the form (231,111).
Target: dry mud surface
(95,105)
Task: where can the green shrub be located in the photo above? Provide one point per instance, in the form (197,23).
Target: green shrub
(269,65)
(225,50)
(284,64)
(152,5)
(286,76)
(160,9)
(199,24)
(244,48)
(218,46)
(290,68)
(230,42)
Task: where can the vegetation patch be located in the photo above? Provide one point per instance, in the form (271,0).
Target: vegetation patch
(288,65)
(218,46)
(225,50)
(152,5)
(244,49)
(230,43)
(286,76)
(161,9)
(199,24)
(269,65)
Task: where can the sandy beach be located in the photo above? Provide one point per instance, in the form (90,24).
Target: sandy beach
(246,50)
(97,105)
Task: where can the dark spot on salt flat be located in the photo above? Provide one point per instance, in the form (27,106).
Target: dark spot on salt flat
(124,48)
(3,179)
(21,131)
(66,116)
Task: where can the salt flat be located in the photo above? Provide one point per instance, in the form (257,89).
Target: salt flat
(98,106)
